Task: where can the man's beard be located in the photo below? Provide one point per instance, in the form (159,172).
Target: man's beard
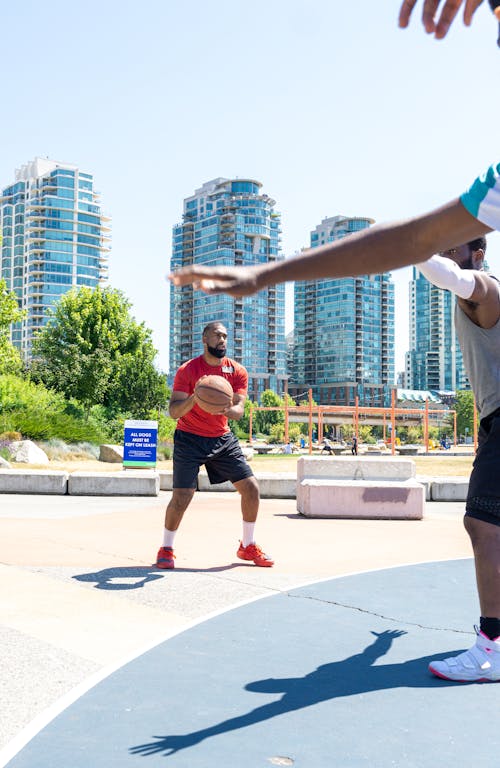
(467,263)
(216,351)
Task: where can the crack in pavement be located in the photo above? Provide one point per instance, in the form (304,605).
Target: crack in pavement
(378,615)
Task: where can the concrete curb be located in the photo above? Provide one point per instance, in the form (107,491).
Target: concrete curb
(53,482)
(129,483)
(281,485)
(449,489)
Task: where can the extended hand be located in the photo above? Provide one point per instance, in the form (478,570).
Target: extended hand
(236,281)
(448,12)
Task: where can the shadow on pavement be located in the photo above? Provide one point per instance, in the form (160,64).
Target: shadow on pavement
(355,675)
(139,576)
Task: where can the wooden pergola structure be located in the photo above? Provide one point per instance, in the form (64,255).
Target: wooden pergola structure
(389,416)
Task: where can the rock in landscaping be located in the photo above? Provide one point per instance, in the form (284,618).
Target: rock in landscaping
(26,452)
(113,454)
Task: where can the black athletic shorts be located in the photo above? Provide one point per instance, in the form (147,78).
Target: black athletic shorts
(483,497)
(222,457)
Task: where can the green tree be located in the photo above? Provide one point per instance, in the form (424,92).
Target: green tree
(413,435)
(277,433)
(464,407)
(241,428)
(365,434)
(266,419)
(93,350)
(10,359)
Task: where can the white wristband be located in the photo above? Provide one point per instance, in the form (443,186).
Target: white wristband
(444,273)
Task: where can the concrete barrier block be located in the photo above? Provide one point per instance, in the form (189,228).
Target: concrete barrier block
(51,482)
(427,483)
(166,479)
(449,488)
(272,485)
(362,500)
(282,485)
(204,484)
(123,483)
(356,468)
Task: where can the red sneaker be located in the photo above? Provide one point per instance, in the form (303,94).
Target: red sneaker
(165,558)
(254,552)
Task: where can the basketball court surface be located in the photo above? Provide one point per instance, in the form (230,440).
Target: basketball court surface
(309,664)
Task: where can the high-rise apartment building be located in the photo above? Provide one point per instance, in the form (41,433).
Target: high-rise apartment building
(344,331)
(434,361)
(230,222)
(54,238)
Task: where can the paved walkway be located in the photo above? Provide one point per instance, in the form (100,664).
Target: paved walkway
(318,661)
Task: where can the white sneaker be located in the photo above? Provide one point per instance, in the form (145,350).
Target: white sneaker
(480,664)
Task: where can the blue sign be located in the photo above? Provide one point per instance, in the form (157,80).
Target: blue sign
(139,443)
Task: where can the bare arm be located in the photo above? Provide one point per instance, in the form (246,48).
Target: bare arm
(237,409)
(180,404)
(371,251)
(449,10)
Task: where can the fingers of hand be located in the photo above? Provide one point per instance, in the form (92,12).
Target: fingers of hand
(405,12)
(471,7)
(450,10)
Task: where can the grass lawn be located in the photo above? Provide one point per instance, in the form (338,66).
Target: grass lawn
(432,466)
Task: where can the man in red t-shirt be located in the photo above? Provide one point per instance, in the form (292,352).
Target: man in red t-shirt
(203,438)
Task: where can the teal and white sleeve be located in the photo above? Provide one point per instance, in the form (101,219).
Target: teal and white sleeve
(482,199)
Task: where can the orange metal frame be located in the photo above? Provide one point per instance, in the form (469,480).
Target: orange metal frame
(310,411)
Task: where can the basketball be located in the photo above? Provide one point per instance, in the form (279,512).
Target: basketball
(213,393)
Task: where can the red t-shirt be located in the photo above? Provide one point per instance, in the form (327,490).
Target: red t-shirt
(197,421)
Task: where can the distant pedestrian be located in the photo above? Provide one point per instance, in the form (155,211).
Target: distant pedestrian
(327,446)
(354,446)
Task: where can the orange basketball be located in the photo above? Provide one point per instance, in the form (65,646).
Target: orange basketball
(213,393)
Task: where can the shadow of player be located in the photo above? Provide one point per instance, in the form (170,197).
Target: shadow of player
(138,576)
(354,675)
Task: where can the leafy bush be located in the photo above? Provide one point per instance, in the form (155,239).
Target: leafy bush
(166,427)
(37,425)
(163,451)
(237,431)
(40,414)
(10,437)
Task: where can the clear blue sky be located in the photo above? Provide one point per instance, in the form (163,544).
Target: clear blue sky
(328,103)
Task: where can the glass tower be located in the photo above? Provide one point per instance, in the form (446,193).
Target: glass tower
(344,331)
(434,361)
(230,222)
(54,238)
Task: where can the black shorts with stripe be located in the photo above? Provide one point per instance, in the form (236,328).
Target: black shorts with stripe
(222,457)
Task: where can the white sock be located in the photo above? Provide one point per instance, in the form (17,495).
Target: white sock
(168,538)
(248,533)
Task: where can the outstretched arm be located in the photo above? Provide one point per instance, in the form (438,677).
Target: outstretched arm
(371,251)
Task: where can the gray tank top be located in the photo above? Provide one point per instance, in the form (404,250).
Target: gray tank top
(481,353)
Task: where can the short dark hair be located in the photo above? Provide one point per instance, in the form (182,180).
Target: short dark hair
(210,326)
(478,244)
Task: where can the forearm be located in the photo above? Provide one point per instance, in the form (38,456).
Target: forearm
(178,408)
(235,412)
(381,248)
